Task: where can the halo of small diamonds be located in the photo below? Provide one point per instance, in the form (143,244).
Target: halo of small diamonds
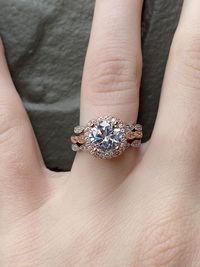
(105,137)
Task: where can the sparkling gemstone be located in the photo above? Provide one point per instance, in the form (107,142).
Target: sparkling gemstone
(106,135)
(136,143)
(75,148)
(130,126)
(78,129)
(138,127)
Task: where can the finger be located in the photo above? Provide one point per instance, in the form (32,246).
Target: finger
(113,64)
(110,85)
(20,159)
(177,128)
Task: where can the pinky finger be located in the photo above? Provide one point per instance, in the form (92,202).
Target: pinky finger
(21,166)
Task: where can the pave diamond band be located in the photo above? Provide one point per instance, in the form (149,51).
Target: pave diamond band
(106,137)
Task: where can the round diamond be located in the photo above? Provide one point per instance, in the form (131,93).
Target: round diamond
(75,147)
(136,143)
(130,126)
(138,127)
(106,135)
(78,129)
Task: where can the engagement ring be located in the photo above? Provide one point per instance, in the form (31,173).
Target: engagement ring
(106,137)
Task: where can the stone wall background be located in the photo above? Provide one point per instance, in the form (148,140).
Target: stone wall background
(46,42)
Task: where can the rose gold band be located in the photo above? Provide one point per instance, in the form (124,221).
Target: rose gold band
(106,137)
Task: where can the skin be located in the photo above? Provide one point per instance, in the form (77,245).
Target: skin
(139,210)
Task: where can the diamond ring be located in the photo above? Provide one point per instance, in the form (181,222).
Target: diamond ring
(106,137)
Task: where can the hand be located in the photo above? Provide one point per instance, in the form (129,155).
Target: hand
(142,209)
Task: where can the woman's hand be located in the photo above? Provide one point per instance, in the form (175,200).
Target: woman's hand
(142,209)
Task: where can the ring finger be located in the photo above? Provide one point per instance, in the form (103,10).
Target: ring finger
(111,77)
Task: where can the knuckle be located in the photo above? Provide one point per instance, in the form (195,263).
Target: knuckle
(112,77)
(12,138)
(9,123)
(186,52)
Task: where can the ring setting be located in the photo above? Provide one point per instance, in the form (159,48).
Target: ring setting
(106,137)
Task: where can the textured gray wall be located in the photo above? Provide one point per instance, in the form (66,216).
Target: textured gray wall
(46,42)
